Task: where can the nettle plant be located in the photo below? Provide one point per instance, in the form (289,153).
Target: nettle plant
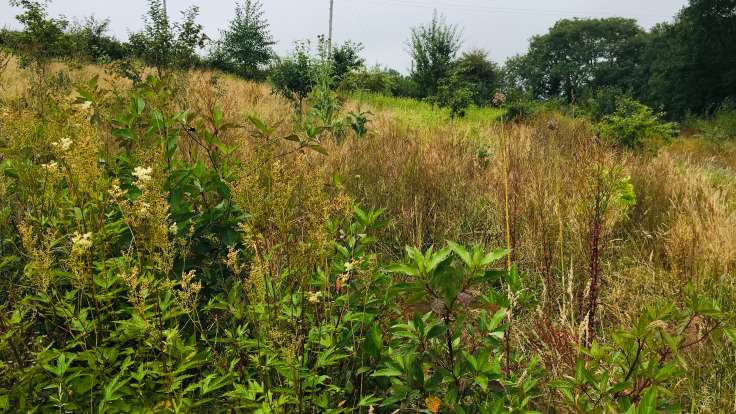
(454,358)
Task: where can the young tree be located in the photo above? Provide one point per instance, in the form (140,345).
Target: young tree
(293,76)
(42,36)
(246,47)
(454,94)
(165,45)
(433,49)
(346,59)
(91,40)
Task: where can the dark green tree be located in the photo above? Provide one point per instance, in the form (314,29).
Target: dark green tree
(480,74)
(433,49)
(91,41)
(246,46)
(580,55)
(691,63)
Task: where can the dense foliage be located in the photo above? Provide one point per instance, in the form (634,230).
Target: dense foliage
(689,62)
(433,49)
(582,55)
(161,255)
(193,242)
(481,75)
(680,67)
(163,44)
(246,46)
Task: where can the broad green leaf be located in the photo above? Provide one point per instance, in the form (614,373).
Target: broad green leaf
(494,256)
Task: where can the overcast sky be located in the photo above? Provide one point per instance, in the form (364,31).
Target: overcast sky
(503,27)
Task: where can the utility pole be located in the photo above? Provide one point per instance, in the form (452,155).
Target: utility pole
(166,13)
(329,38)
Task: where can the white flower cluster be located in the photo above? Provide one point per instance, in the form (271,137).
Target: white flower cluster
(115,191)
(143,175)
(81,242)
(63,144)
(349,266)
(314,297)
(143,208)
(51,167)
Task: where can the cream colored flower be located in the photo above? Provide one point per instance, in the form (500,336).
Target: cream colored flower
(115,191)
(349,266)
(143,174)
(51,167)
(173,228)
(81,242)
(314,297)
(342,280)
(189,290)
(63,144)
(143,208)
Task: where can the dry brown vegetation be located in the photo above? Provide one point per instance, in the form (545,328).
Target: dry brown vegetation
(447,183)
(532,186)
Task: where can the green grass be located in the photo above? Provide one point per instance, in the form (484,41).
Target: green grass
(420,113)
(721,126)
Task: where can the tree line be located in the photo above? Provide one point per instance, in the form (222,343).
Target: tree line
(680,67)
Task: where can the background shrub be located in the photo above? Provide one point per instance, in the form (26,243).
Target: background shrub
(635,125)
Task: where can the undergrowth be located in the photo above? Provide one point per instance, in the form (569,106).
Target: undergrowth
(191,243)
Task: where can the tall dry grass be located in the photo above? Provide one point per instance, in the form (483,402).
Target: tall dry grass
(473,182)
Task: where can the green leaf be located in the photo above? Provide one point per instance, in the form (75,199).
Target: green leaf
(213,382)
(648,403)
(140,105)
(217,117)
(730,334)
(482,381)
(436,259)
(368,400)
(260,125)
(403,269)
(318,148)
(462,252)
(387,372)
(436,331)
(494,256)
(491,276)
(124,133)
(374,341)
(61,365)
